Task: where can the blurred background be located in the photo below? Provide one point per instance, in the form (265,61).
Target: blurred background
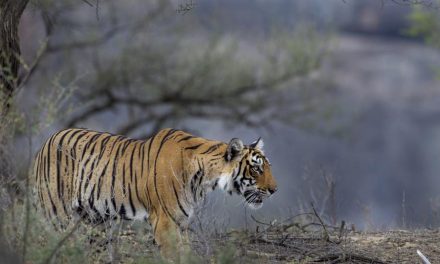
(345,94)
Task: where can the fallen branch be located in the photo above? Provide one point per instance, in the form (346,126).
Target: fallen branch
(342,257)
(281,244)
(424,259)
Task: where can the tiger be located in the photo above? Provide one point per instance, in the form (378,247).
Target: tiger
(100,177)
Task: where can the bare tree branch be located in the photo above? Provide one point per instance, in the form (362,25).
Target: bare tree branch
(10,14)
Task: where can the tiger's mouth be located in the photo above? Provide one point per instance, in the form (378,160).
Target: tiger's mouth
(254,199)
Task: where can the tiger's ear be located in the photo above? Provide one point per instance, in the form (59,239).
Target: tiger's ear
(234,149)
(258,144)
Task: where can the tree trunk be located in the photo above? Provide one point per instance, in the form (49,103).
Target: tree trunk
(10,13)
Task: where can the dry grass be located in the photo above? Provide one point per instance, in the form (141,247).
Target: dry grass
(288,242)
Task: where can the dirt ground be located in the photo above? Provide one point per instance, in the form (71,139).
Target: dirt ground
(352,247)
(276,244)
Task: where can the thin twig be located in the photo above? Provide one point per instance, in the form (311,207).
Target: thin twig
(28,199)
(62,241)
(31,69)
(260,222)
(341,230)
(326,234)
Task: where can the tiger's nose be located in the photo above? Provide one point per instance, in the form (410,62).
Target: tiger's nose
(272,190)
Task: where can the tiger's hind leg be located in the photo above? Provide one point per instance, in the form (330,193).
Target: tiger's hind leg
(169,237)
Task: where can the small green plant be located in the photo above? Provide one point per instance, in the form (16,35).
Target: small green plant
(425,23)
(227,255)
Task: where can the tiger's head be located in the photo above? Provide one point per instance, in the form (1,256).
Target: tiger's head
(252,177)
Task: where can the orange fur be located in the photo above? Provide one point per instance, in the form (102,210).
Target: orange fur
(100,177)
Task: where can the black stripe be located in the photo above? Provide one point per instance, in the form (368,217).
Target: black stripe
(186,138)
(136,189)
(126,144)
(101,153)
(114,203)
(94,163)
(194,179)
(42,169)
(73,150)
(92,202)
(215,184)
(130,199)
(104,172)
(83,171)
(202,173)
(77,140)
(73,162)
(107,210)
(164,139)
(142,173)
(92,139)
(236,186)
(59,151)
(140,160)
(115,164)
(178,201)
(54,209)
(131,162)
(193,182)
(135,174)
(100,180)
(124,190)
(84,166)
(194,147)
(136,180)
(37,166)
(58,165)
(122,212)
(49,146)
(104,145)
(212,148)
(239,168)
(177,134)
(151,141)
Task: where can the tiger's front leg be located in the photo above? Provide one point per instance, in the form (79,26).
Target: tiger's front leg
(169,237)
